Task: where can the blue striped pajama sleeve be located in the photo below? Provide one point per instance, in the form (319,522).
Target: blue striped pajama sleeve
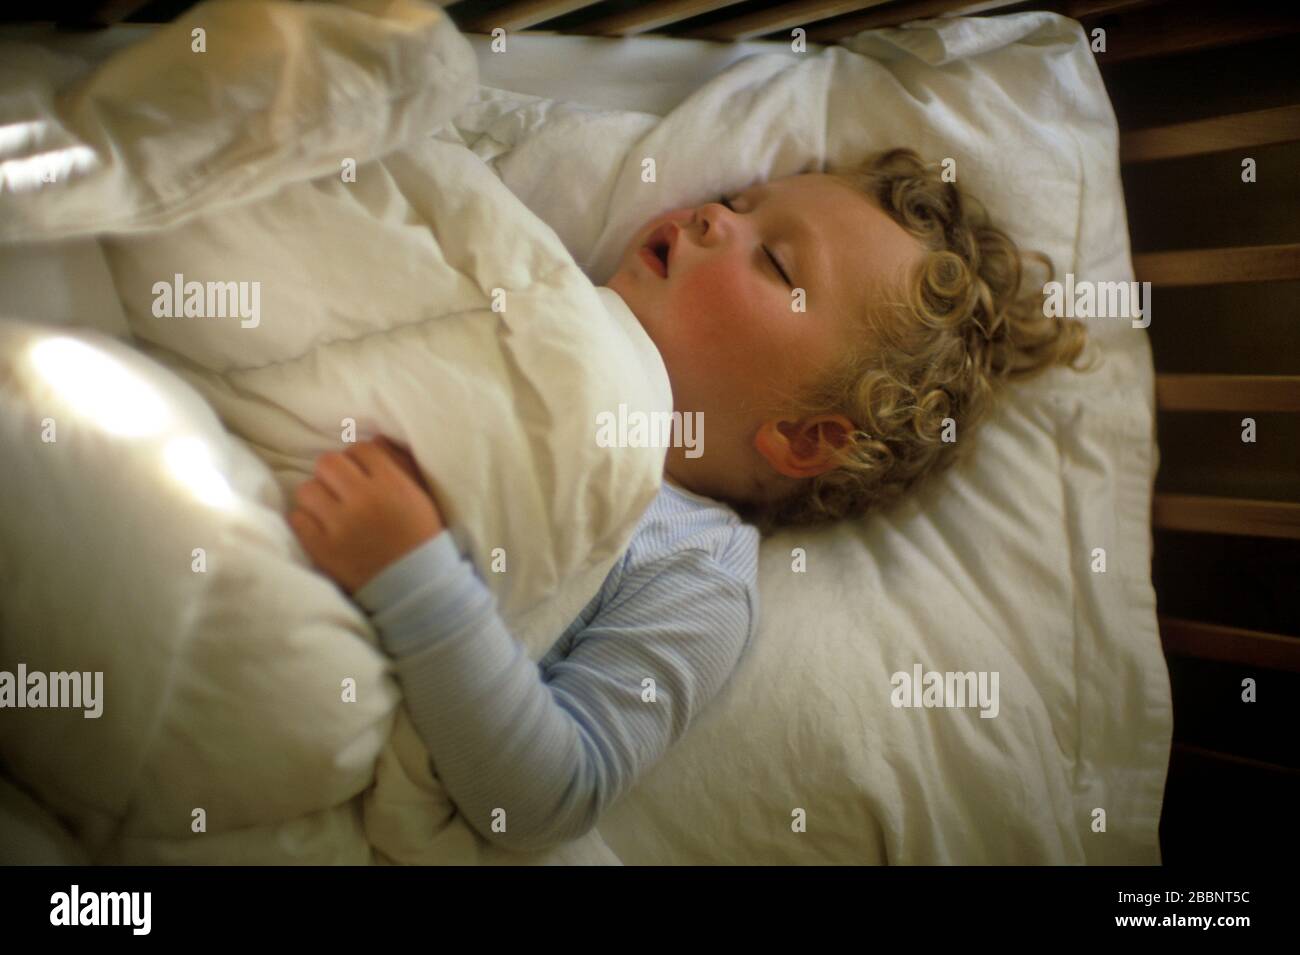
(554,743)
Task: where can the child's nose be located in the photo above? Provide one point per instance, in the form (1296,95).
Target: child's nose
(708,214)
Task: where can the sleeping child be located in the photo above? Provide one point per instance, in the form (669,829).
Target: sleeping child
(821,404)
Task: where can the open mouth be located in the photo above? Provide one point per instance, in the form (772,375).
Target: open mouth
(657,251)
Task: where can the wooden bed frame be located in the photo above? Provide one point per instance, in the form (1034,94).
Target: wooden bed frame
(1197,86)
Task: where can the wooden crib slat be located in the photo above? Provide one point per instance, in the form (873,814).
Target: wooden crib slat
(1208,641)
(652,16)
(1078,9)
(521,15)
(1224,515)
(892,14)
(1228,392)
(785,16)
(1238,131)
(1247,263)
(1202,758)
(1168,30)
(108,12)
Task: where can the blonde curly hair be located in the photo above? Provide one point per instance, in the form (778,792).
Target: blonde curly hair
(961,331)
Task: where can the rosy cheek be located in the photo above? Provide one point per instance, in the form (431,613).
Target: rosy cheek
(713,298)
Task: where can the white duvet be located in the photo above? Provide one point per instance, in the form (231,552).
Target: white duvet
(419,299)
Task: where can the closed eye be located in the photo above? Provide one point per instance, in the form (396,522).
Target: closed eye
(780,271)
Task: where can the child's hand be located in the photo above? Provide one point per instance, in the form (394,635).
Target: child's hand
(365,508)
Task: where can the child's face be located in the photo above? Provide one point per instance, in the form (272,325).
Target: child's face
(723,318)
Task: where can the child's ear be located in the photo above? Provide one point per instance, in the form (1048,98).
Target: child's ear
(803,449)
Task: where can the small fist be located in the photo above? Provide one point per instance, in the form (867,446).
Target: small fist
(365,508)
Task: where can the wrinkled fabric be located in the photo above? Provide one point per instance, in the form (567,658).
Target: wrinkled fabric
(422,301)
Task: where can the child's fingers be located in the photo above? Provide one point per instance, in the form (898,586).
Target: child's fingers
(401,457)
(387,465)
(339,473)
(307,526)
(367,457)
(389,446)
(313,498)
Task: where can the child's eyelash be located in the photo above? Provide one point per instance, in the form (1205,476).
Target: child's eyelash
(727,202)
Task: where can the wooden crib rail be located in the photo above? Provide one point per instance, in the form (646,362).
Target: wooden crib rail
(1227,762)
(1226,515)
(1156,27)
(1175,28)
(519,16)
(1262,127)
(1207,641)
(1228,392)
(652,16)
(826,21)
(893,14)
(1247,263)
(1221,266)
(787,16)
(1159,27)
